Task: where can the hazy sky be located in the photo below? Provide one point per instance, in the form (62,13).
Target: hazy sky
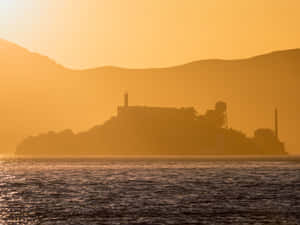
(149,33)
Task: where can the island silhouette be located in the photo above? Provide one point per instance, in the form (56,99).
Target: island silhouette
(155,131)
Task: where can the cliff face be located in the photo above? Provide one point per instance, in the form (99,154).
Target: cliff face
(153,132)
(37,95)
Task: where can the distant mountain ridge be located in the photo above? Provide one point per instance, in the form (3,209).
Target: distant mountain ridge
(37,94)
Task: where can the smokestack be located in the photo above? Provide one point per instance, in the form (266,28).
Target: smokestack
(276,123)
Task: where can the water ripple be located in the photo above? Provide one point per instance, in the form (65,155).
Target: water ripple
(150,191)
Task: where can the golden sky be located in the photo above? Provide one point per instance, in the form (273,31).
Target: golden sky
(149,33)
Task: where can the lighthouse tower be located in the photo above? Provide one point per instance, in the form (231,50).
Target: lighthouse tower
(126,100)
(123,108)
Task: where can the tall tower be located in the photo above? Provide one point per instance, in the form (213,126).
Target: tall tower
(126,100)
(276,123)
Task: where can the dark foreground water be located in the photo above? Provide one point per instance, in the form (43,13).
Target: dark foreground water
(150,191)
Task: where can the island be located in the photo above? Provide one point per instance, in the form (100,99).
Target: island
(157,131)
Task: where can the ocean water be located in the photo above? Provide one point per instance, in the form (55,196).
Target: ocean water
(150,191)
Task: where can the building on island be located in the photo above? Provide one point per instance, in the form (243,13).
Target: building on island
(155,112)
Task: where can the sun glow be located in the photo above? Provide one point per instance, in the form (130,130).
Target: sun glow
(19,11)
(10,5)
(9,9)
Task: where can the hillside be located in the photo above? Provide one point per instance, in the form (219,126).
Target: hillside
(37,95)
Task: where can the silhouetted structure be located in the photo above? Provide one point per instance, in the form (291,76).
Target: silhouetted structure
(276,123)
(126,100)
(154,112)
(140,130)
